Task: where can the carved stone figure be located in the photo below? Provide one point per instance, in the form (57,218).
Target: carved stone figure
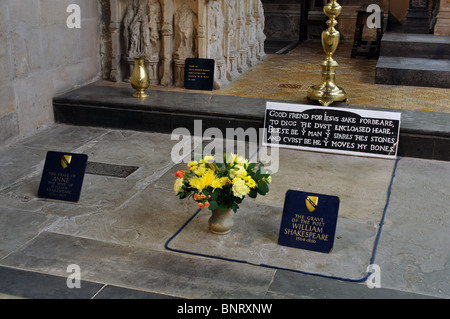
(185,32)
(216,22)
(138,31)
(154,26)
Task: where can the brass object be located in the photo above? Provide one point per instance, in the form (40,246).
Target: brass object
(139,78)
(328,92)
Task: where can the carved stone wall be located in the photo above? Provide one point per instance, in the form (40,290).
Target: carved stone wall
(167,32)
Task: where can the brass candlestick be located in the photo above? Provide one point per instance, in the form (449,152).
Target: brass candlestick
(328,92)
(139,78)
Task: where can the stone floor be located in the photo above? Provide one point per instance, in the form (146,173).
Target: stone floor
(288,77)
(132,238)
(117,232)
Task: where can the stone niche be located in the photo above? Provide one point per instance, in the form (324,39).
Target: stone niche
(167,32)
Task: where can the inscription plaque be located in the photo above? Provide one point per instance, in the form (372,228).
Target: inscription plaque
(199,74)
(63,175)
(309,221)
(334,130)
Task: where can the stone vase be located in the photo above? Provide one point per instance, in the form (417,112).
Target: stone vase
(221,221)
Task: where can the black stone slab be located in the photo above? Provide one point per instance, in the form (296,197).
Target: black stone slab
(113,107)
(33,285)
(162,112)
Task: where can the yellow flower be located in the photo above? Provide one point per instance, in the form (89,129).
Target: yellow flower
(178,185)
(208,177)
(216,183)
(240,160)
(231,158)
(238,171)
(192,165)
(250,182)
(239,188)
(201,170)
(198,183)
(208,159)
(219,182)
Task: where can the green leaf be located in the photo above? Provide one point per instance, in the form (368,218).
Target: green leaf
(214,195)
(263,188)
(253,193)
(213,205)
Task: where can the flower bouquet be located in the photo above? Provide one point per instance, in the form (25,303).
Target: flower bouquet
(224,185)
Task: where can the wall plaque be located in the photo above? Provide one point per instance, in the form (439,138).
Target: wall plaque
(63,176)
(199,74)
(309,221)
(335,130)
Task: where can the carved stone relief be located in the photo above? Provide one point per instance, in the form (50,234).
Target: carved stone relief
(167,32)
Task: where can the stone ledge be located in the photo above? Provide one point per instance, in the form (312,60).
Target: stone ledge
(422,134)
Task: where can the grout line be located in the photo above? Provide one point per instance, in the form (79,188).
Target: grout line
(100,290)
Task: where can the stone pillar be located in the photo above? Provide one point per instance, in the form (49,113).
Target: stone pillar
(202,27)
(443,19)
(418,17)
(114,26)
(167,42)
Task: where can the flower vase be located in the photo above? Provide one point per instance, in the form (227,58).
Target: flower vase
(139,78)
(221,221)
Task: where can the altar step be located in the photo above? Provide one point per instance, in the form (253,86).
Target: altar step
(422,134)
(414,60)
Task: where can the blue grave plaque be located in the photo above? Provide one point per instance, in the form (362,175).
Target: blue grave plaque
(309,221)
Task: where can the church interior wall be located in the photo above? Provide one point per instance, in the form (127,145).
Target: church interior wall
(41,57)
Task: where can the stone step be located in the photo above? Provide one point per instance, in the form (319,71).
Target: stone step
(422,134)
(413,72)
(410,45)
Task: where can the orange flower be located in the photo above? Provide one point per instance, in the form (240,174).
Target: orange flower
(206,204)
(196,197)
(180,174)
(201,205)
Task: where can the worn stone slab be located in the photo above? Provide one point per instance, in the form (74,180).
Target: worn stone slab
(362,185)
(17,227)
(159,272)
(287,284)
(147,221)
(151,152)
(414,251)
